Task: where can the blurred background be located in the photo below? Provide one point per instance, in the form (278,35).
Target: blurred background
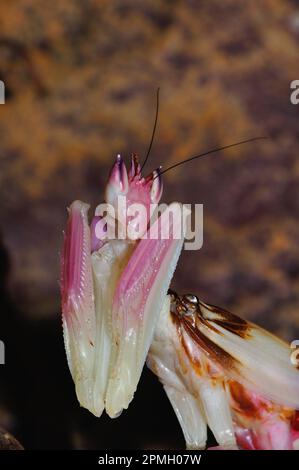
(80,84)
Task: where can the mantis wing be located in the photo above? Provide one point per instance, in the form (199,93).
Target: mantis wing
(248,354)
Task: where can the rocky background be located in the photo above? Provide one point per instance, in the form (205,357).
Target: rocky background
(80,87)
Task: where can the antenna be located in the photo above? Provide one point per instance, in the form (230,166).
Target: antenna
(194,157)
(154,128)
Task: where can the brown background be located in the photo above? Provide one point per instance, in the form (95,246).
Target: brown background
(80,87)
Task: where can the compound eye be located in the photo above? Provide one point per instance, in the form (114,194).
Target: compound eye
(190,303)
(191,299)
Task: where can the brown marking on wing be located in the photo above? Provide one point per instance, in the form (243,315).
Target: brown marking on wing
(183,364)
(212,350)
(196,365)
(227,320)
(242,402)
(254,406)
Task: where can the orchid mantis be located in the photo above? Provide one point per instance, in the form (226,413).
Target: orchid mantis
(217,369)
